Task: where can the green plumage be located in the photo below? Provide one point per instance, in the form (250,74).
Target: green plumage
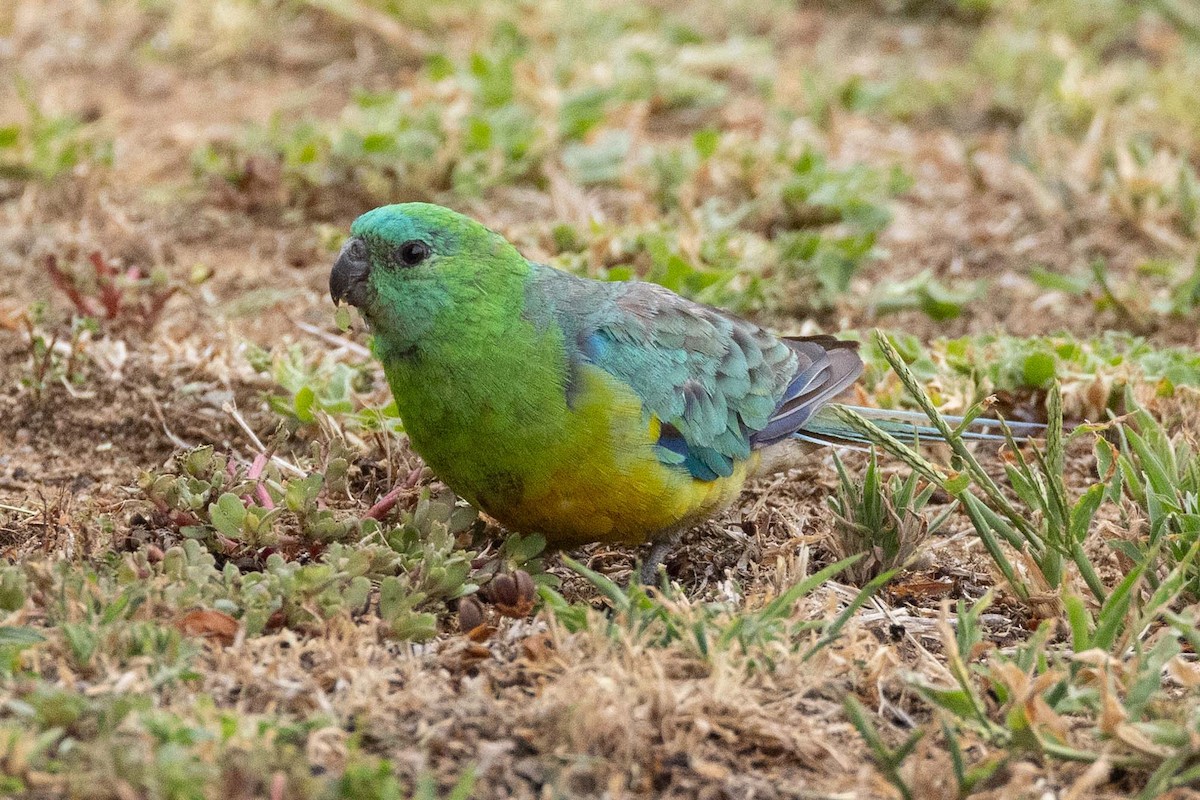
(714,381)
(576,408)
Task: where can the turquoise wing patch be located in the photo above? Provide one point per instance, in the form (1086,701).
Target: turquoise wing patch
(711,379)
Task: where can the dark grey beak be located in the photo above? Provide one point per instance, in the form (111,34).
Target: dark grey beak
(348,280)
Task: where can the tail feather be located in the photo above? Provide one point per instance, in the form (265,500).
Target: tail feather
(830,440)
(825,428)
(1020,430)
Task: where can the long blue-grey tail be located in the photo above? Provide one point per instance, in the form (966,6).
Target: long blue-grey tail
(824,427)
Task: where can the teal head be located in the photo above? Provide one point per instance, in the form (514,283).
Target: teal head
(405,266)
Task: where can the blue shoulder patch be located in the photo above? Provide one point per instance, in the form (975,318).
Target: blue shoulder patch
(703,463)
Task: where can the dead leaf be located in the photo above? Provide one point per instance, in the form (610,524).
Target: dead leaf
(481,632)
(1139,741)
(538,647)
(1087,783)
(917,591)
(710,770)
(519,610)
(209,624)
(475,652)
(1186,673)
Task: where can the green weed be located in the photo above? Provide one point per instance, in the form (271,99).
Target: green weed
(258,517)
(664,618)
(1037,688)
(881,520)
(1093,371)
(1050,528)
(46,146)
(1160,476)
(53,359)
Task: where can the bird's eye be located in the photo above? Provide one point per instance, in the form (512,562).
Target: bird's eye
(413,252)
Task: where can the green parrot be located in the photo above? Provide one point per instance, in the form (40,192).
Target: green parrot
(579,409)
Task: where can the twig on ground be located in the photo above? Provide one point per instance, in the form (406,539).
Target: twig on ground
(337,341)
(18,509)
(175,440)
(232,411)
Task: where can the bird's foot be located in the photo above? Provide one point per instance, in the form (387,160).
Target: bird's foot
(649,572)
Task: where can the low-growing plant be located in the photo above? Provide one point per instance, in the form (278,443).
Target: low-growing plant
(828,220)
(883,521)
(243,508)
(264,521)
(1160,476)
(323,384)
(372,778)
(887,760)
(57,742)
(789,235)
(46,146)
(1092,371)
(817,193)
(1121,637)
(1050,527)
(657,258)
(1100,700)
(51,358)
(130,299)
(820,266)
(466,129)
(1159,290)
(662,618)
(924,293)
(1033,699)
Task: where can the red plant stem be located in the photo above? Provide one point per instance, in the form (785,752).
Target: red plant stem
(156,306)
(110,294)
(389,500)
(386,503)
(255,474)
(264,498)
(183,518)
(65,284)
(177,517)
(228,546)
(257,467)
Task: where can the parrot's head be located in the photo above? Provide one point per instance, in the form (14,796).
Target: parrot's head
(405,264)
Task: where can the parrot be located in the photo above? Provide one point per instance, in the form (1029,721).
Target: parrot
(579,409)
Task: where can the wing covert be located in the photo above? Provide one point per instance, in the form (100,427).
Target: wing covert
(720,386)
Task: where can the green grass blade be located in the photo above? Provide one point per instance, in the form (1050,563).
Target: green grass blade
(835,627)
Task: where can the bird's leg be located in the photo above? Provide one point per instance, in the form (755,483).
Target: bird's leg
(658,551)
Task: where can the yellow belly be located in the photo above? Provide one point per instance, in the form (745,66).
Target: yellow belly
(604,481)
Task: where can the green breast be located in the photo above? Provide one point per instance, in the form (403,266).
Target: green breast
(486,409)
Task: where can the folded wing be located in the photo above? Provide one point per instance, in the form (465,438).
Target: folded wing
(719,386)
